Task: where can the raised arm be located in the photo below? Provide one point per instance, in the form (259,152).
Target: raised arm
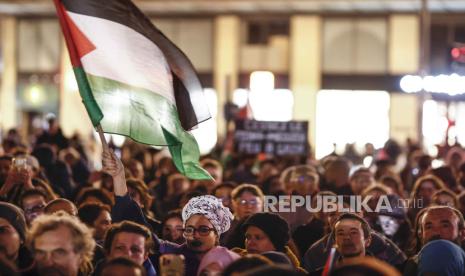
(113,166)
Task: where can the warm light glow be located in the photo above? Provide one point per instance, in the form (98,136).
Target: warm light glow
(344,117)
(261,81)
(35,94)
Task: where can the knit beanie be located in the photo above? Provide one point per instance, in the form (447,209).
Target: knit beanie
(15,217)
(274,226)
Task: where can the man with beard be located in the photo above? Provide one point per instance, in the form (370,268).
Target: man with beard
(435,223)
(204,218)
(62,246)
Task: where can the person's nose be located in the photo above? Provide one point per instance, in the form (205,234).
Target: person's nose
(127,252)
(196,235)
(48,260)
(346,237)
(250,242)
(173,233)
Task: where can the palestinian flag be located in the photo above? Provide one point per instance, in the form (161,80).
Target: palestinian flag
(133,81)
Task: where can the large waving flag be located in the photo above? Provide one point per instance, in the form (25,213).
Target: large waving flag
(133,81)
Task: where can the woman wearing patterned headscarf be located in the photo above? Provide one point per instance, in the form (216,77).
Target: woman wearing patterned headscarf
(204,219)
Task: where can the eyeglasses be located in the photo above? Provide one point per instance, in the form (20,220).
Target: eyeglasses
(252,202)
(202,230)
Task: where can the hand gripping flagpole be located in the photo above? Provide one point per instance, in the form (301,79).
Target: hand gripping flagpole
(102,138)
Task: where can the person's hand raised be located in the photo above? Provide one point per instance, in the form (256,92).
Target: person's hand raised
(112,165)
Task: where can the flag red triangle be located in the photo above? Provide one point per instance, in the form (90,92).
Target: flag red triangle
(82,43)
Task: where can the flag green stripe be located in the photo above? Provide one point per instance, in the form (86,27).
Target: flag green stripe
(87,97)
(148,118)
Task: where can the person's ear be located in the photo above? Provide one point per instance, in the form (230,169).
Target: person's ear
(462,234)
(367,241)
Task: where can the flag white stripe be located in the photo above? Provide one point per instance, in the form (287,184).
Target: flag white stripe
(124,55)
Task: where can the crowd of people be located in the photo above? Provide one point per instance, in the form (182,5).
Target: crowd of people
(138,216)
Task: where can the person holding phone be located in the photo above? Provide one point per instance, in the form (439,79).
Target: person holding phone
(19,177)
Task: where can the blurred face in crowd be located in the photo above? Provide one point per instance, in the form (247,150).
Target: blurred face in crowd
(304,185)
(350,239)
(200,234)
(101,225)
(55,254)
(224,194)
(4,169)
(440,224)
(172,230)
(121,270)
(10,240)
(247,204)
(33,207)
(361,181)
(426,191)
(256,241)
(129,245)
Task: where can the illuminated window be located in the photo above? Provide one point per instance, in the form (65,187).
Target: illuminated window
(344,116)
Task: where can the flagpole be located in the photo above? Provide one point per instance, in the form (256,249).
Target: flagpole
(102,138)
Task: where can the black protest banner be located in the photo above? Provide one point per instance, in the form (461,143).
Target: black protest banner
(274,138)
